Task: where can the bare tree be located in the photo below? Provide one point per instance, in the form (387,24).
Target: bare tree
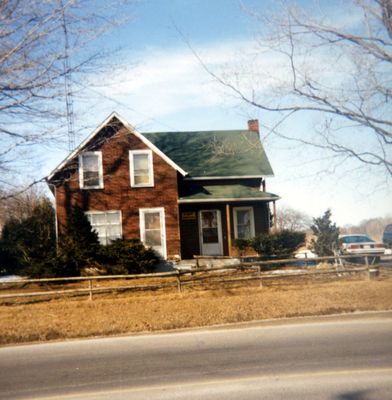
(290,219)
(45,50)
(373,227)
(20,203)
(336,67)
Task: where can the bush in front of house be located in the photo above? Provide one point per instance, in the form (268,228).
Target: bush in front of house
(78,245)
(79,249)
(279,244)
(241,245)
(28,247)
(28,244)
(126,257)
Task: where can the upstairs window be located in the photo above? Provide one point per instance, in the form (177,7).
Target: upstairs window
(244,223)
(107,224)
(90,170)
(141,168)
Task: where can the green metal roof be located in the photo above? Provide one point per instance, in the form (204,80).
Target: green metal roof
(215,153)
(238,192)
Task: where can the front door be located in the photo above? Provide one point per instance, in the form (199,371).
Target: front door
(210,232)
(152,229)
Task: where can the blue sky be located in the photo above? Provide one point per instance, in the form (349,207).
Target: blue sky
(160,86)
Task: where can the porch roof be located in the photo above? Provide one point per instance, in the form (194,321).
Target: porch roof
(224,193)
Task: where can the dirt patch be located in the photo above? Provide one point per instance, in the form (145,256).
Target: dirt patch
(195,307)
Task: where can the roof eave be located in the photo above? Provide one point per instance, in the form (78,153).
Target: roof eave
(233,199)
(203,178)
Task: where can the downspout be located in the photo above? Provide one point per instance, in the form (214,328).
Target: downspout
(56,229)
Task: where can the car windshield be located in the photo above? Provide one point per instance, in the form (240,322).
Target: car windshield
(356,239)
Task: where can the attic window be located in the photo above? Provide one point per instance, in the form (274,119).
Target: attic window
(90,170)
(141,168)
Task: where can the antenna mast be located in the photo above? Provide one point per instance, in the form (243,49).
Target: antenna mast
(67,84)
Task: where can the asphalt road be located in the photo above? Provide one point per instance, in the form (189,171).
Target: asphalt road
(328,358)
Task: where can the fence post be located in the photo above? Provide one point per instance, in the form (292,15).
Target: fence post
(179,281)
(373,273)
(261,281)
(90,286)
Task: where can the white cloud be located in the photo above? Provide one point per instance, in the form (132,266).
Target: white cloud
(170,81)
(167,82)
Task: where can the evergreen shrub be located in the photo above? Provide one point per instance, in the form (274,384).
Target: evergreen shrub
(78,245)
(127,257)
(279,244)
(327,235)
(28,245)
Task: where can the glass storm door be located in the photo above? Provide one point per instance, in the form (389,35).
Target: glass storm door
(210,231)
(152,229)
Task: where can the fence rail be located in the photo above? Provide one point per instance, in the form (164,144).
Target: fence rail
(191,277)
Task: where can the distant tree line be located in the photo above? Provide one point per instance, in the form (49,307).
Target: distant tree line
(373,227)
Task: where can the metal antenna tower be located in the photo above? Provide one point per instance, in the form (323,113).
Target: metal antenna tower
(67,84)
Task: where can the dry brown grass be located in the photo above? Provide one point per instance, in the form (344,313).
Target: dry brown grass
(151,311)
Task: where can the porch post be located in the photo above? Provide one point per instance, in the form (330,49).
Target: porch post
(275,225)
(228,229)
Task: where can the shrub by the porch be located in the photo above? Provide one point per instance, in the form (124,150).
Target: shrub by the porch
(241,245)
(280,244)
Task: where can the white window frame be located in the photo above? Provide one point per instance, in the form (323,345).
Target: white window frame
(100,170)
(252,220)
(142,227)
(107,212)
(150,168)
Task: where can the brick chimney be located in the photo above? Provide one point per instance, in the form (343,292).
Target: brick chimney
(253,125)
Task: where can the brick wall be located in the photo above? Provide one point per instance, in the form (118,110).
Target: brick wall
(117,193)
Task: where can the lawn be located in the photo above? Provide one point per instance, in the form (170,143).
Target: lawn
(136,312)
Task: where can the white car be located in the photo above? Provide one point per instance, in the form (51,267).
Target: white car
(358,244)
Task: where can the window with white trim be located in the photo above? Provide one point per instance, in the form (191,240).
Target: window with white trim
(141,168)
(107,224)
(90,170)
(244,223)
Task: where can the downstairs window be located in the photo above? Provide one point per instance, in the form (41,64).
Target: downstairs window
(107,224)
(244,223)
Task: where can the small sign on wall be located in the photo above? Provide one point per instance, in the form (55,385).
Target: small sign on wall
(188,216)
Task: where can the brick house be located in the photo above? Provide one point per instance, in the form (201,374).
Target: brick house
(182,193)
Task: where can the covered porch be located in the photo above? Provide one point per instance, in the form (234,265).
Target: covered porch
(213,216)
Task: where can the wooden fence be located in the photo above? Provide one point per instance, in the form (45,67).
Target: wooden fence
(247,271)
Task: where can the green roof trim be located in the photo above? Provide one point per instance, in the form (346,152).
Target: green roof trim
(215,193)
(235,153)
